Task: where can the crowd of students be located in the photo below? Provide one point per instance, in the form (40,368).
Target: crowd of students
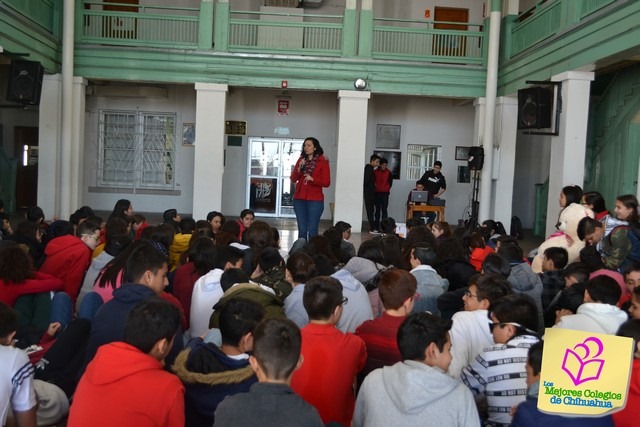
(210,322)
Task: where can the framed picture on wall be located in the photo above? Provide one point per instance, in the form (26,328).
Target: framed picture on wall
(388,136)
(188,134)
(462,153)
(394,159)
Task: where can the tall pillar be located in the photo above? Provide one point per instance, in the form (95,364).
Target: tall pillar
(49,128)
(77,142)
(480,105)
(352,139)
(504,161)
(208,165)
(568,149)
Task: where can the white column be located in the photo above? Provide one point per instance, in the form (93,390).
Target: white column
(77,142)
(568,149)
(66,152)
(504,161)
(351,156)
(49,128)
(208,165)
(480,105)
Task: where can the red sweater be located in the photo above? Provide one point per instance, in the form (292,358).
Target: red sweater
(67,259)
(183,281)
(41,282)
(123,386)
(312,190)
(384,180)
(331,361)
(381,338)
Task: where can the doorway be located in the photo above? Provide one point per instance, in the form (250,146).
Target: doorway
(450,44)
(270,192)
(26,151)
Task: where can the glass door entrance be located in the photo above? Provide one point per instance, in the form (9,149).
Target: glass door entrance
(271,161)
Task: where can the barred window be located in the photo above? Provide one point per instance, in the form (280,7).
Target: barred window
(420,158)
(137,149)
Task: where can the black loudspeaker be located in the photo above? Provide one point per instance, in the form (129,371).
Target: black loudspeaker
(476,158)
(25,82)
(534,108)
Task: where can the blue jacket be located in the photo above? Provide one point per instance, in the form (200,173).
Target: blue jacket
(528,415)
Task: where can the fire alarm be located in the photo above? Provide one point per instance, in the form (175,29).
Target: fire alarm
(285,84)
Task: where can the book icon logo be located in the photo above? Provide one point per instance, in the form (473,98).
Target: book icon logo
(581,362)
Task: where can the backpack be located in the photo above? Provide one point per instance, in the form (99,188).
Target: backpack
(516,228)
(633,234)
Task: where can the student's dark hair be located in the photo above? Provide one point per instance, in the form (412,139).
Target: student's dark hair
(572,194)
(201,225)
(558,255)
(142,258)
(169,214)
(630,329)
(334,237)
(187,225)
(391,250)
(444,226)
(16,265)
(301,267)
(413,222)
(138,218)
(119,209)
(270,258)
(117,244)
(225,254)
(202,252)
(587,226)
(231,227)
(490,226)
(596,200)
(424,253)
(275,238)
(8,320)
(534,358)
(631,202)
(384,161)
(115,226)
(371,250)
(150,321)
(374,157)
(388,225)
(517,308)
(320,245)
(82,213)
(34,214)
(451,249)
(317,149)
(258,236)
(395,286)
(28,229)
(496,264)
(437,163)
(246,212)
(491,287)
(577,270)
(321,296)
(87,227)
(232,276)
(636,292)
(631,267)
(238,317)
(476,241)
(163,234)
(571,298)
(511,251)
(60,228)
(214,214)
(276,347)
(604,289)
(342,226)
(324,265)
(418,331)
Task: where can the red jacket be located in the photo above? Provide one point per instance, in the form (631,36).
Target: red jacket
(478,255)
(628,417)
(40,282)
(183,281)
(384,180)
(68,259)
(123,386)
(312,190)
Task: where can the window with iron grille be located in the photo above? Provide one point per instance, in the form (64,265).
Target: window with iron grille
(420,158)
(137,149)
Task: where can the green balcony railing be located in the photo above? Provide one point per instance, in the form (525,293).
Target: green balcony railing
(297,34)
(42,12)
(138,25)
(587,7)
(415,40)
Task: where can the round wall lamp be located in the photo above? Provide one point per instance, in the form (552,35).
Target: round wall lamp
(360,84)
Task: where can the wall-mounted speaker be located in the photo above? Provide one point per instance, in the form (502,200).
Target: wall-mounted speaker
(25,82)
(534,108)
(476,158)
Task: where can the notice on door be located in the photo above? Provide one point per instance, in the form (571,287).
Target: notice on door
(263,193)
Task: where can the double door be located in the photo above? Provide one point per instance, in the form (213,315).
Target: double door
(270,191)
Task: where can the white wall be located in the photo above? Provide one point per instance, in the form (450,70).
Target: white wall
(416,9)
(428,121)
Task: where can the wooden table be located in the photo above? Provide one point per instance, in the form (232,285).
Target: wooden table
(412,208)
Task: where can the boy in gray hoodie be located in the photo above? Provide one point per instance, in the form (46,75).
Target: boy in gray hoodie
(417,391)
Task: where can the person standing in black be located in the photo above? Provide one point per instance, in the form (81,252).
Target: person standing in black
(369,189)
(434,181)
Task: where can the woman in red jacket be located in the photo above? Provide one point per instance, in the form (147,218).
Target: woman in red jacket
(310,174)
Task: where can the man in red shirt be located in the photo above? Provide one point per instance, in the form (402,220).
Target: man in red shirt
(384,181)
(125,384)
(331,358)
(397,290)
